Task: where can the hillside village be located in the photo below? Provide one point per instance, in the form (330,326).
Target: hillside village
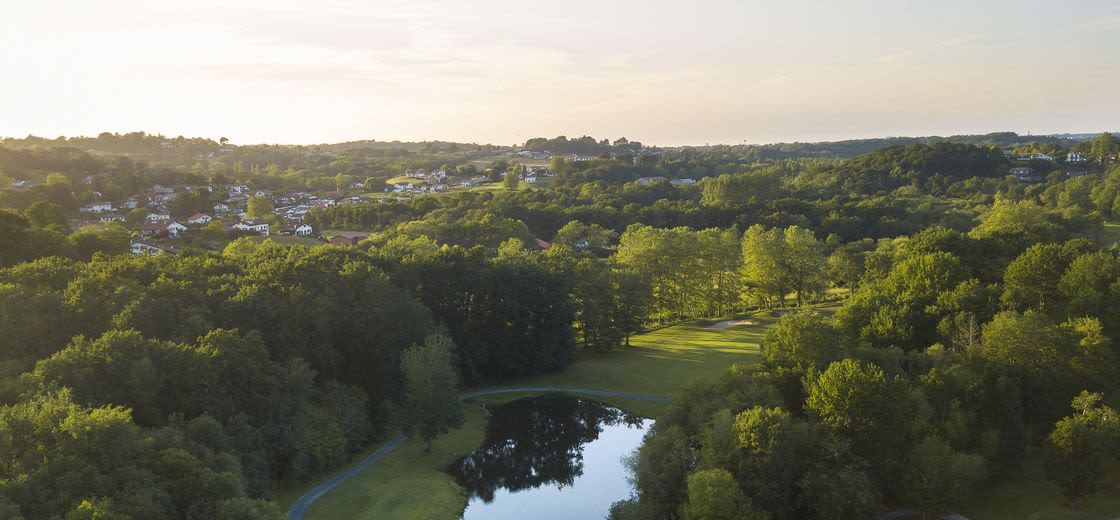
(155,228)
(159,230)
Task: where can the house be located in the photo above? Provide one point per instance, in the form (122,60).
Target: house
(199,218)
(131,203)
(175,228)
(22,184)
(1025,174)
(144,248)
(221,208)
(542,244)
(111,217)
(1072,174)
(157,217)
(532,179)
(646,181)
(348,239)
(153,230)
(304,230)
(1043,157)
(682,182)
(97,207)
(1075,157)
(252,225)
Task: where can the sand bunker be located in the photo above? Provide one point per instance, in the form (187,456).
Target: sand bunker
(729,323)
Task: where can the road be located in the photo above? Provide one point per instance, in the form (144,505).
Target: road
(300,507)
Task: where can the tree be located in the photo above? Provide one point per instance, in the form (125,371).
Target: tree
(1082,446)
(715,495)
(41,214)
(844,268)
(259,207)
(804,263)
(431,404)
(512,178)
(13,230)
(1031,280)
(632,301)
(935,477)
(862,405)
(763,274)
(802,341)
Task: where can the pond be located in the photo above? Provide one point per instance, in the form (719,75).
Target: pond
(549,458)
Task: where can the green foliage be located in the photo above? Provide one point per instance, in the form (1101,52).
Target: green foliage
(259,207)
(802,341)
(715,495)
(934,477)
(431,404)
(1083,445)
(777,262)
(874,414)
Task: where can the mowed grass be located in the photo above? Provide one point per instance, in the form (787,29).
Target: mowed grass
(664,361)
(1110,233)
(410,484)
(405,178)
(1028,495)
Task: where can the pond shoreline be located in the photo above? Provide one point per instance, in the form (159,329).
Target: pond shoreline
(300,507)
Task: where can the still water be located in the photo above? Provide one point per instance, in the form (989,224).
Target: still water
(549,458)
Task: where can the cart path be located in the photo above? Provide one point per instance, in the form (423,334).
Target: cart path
(300,507)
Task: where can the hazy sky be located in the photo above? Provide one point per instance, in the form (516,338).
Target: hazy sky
(663,72)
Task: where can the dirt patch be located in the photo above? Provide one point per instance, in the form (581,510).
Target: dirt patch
(730,323)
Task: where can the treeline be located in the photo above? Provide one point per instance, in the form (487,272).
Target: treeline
(42,231)
(960,359)
(187,386)
(854,147)
(585,145)
(70,177)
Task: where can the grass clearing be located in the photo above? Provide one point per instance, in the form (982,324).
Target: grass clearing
(410,484)
(1028,495)
(1110,233)
(405,178)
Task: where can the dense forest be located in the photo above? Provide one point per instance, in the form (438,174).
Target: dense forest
(975,332)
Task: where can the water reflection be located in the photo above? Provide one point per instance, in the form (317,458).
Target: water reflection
(551,452)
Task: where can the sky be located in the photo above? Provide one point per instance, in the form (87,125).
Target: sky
(502,71)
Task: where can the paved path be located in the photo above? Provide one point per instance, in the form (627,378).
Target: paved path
(300,507)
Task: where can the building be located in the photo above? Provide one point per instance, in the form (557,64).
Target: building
(682,182)
(1025,174)
(199,218)
(348,239)
(255,226)
(175,228)
(150,230)
(97,207)
(157,217)
(144,248)
(304,230)
(646,181)
(1075,158)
